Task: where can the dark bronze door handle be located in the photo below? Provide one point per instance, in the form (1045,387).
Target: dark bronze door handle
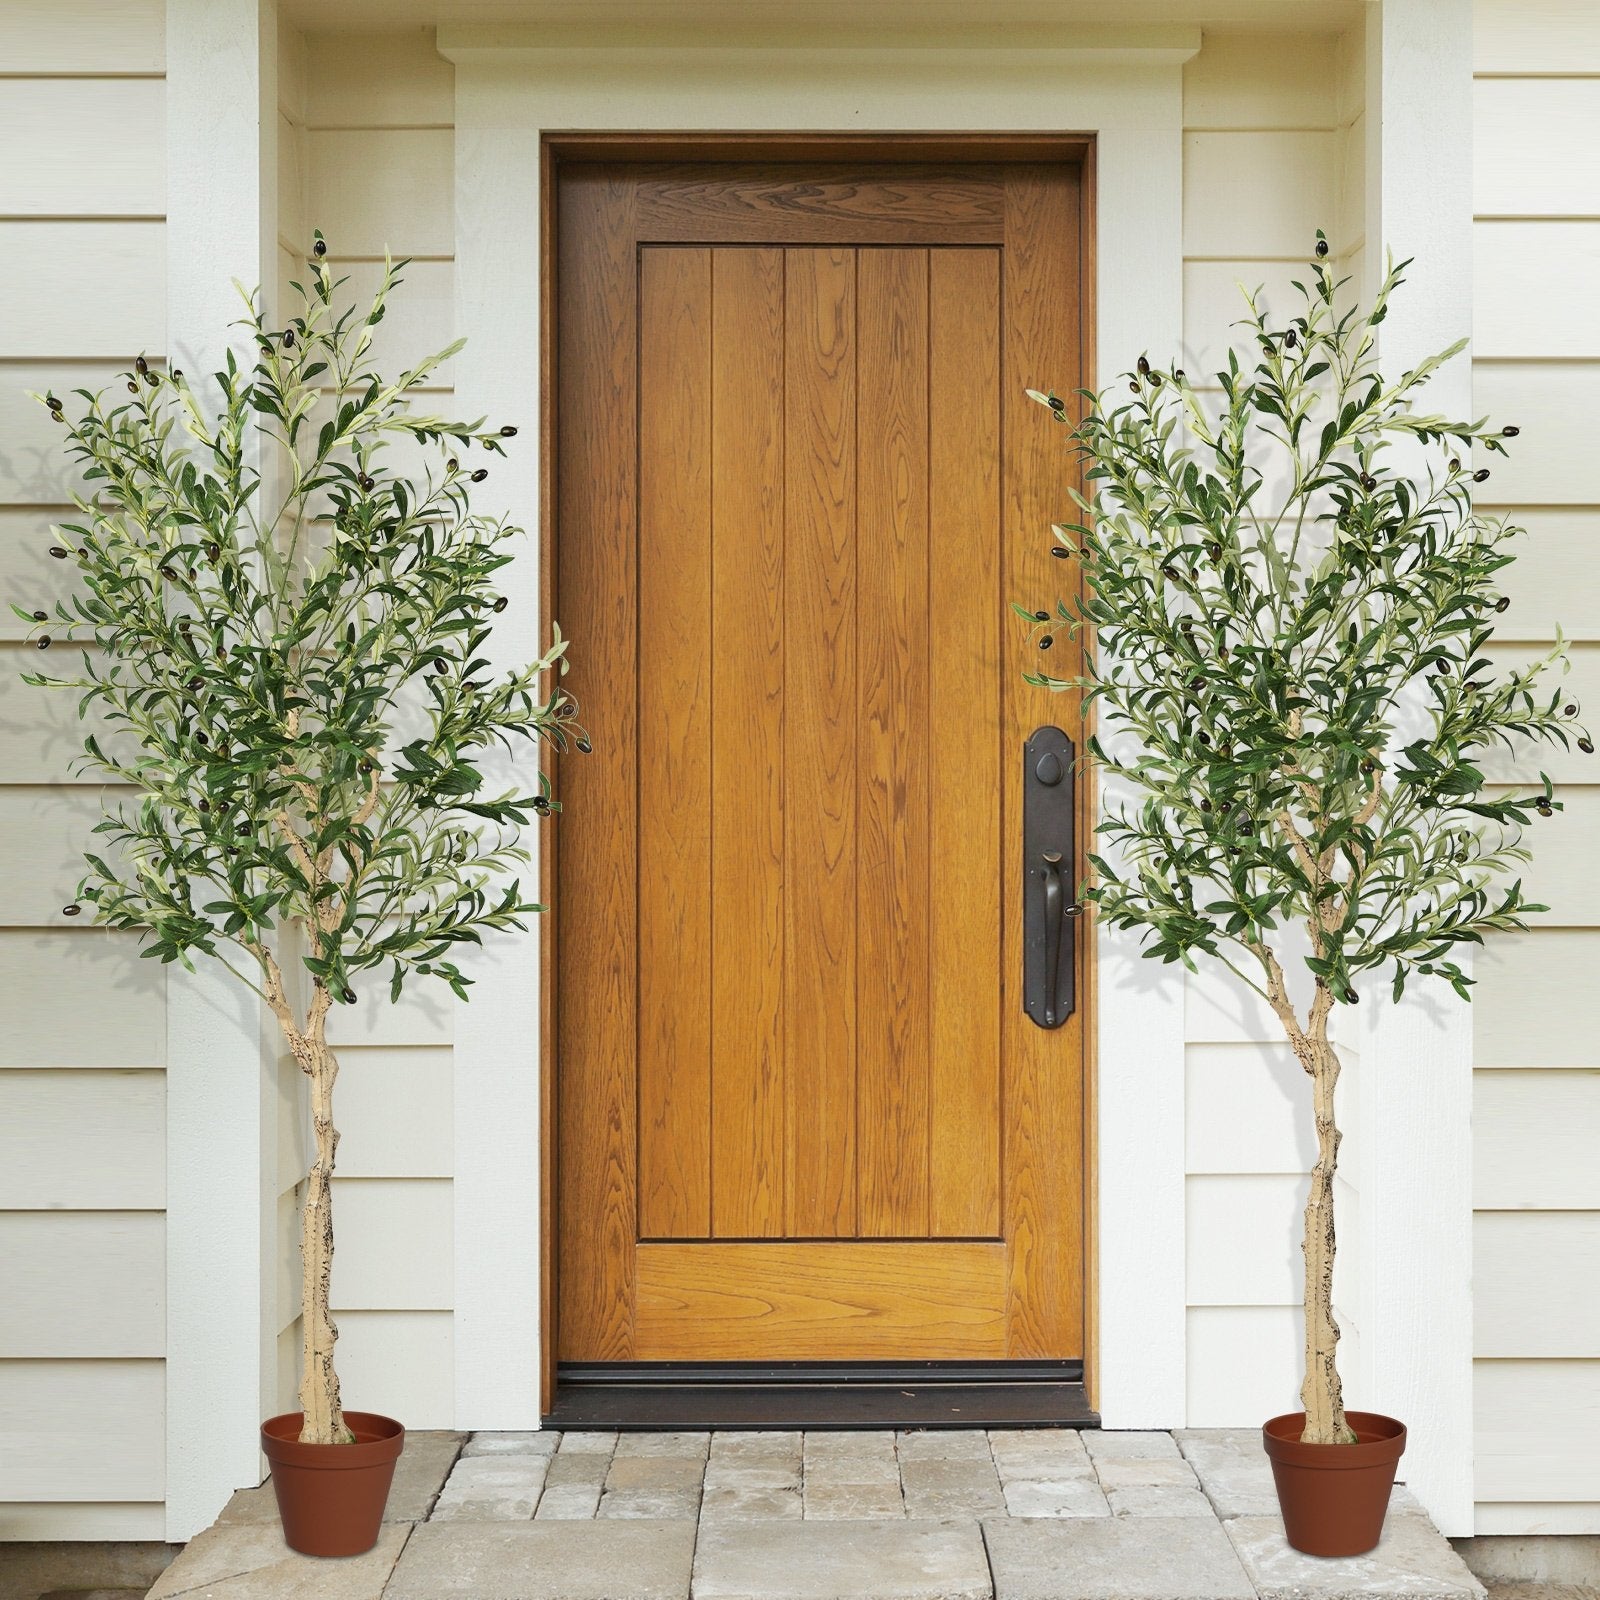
(1049,953)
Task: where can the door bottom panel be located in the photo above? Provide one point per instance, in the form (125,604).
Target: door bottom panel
(649,1396)
(844,1300)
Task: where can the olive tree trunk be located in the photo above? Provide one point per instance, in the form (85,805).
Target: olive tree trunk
(1322,1393)
(323,1416)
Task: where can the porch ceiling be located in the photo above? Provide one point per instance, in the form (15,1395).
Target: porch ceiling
(1029,23)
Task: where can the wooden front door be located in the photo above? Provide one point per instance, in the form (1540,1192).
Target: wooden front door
(801,1113)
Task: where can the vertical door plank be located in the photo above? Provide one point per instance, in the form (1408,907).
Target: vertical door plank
(893,734)
(674,772)
(596,511)
(819,755)
(964,718)
(747,744)
(1044,1077)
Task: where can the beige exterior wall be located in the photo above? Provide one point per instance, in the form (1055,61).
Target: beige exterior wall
(1536,348)
(82,1019)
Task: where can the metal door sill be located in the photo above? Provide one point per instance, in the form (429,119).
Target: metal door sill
(647,1396)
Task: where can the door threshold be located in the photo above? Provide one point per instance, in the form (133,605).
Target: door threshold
(655,1396)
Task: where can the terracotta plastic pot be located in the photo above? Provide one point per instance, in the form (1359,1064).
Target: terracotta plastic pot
(1334,1496)
(331,1496)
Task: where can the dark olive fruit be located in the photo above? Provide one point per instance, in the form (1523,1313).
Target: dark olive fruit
(153,379)
(367,483)
(319,249)
(1178,374)
(133,388)
(501,603)
(1481,475)
(1169,572)
(1057,404)
(1569,710)
(452,465)
(1144,367)
(1587,746)
(288,338)
(1205,738)
(1290,339)
(509,431)
(349,997)
(1060,552)
(205,805)
(72,910)
(1322,248)
(1046,643)
(1197,683)
(1441,666)
(1368,482)
(438,664)
(1041,616)
(1351,996)
(1133,387)
(585,746)
(1205,805)
(1510,431)
(201,739)
(541,805)
(213,550)
(43,641)
(140,365)
(1455,463)
(241,828)
(39,616)
(177,372)
(1502,603)
(1214,550)
(480,474)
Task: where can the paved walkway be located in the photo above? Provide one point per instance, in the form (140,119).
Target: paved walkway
(935,1515)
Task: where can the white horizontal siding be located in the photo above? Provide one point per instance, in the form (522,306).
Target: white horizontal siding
(377,189)
(1536,1423)
(1244,1364)
(1552,463)
(1536,147)
(81,1430)
(43,834)
(79,999)
(1244,1236)
(378,81)
(82,1141)
(1258,196)
(402,1364)
(74,38)
(1561,322)
(1247,1110)
(396,1112)
(77,291)
(397,1248)
(51,1521)
(73,169)
(1537,1275)
(82,1284)
(1534,1138)
(1533,1002)
(1534,38)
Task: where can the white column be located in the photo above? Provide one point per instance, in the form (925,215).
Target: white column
(1416,1058)
(497,1030)
(221,1128)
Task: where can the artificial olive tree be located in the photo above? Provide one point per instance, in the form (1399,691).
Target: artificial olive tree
(285,658)
(1286,601)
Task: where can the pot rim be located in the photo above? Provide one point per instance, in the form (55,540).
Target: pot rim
(1280,1437)
(385,1440)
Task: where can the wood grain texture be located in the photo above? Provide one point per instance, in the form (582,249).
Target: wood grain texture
(675,743)
(893,742)
(747,865)
(819,772)
(822,1301)
(1043,1215)
(596,950)
(881,205)
(965,607)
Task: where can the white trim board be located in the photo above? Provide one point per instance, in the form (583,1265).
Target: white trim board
(506,94)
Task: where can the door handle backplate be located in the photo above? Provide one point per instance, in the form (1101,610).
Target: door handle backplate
(1049,912)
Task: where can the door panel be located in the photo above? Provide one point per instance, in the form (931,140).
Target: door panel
(825,1130)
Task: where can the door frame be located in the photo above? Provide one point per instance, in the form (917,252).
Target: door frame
(559,150)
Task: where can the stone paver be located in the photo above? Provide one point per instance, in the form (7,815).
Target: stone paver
(1114,1558)
(513,1444)
(958,1487)
(419,1474)
(1055,1497)
(1158,1500)
(250,1561)
(546,1561)
(1411,1560)
(664,1444)
(587,1444)
(1233,1470)
(491,1488)
(853,1502)
(569,1501)
(750,1505)
(841,1561)
(943,1444)
(839,1515)
(1104,1446)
